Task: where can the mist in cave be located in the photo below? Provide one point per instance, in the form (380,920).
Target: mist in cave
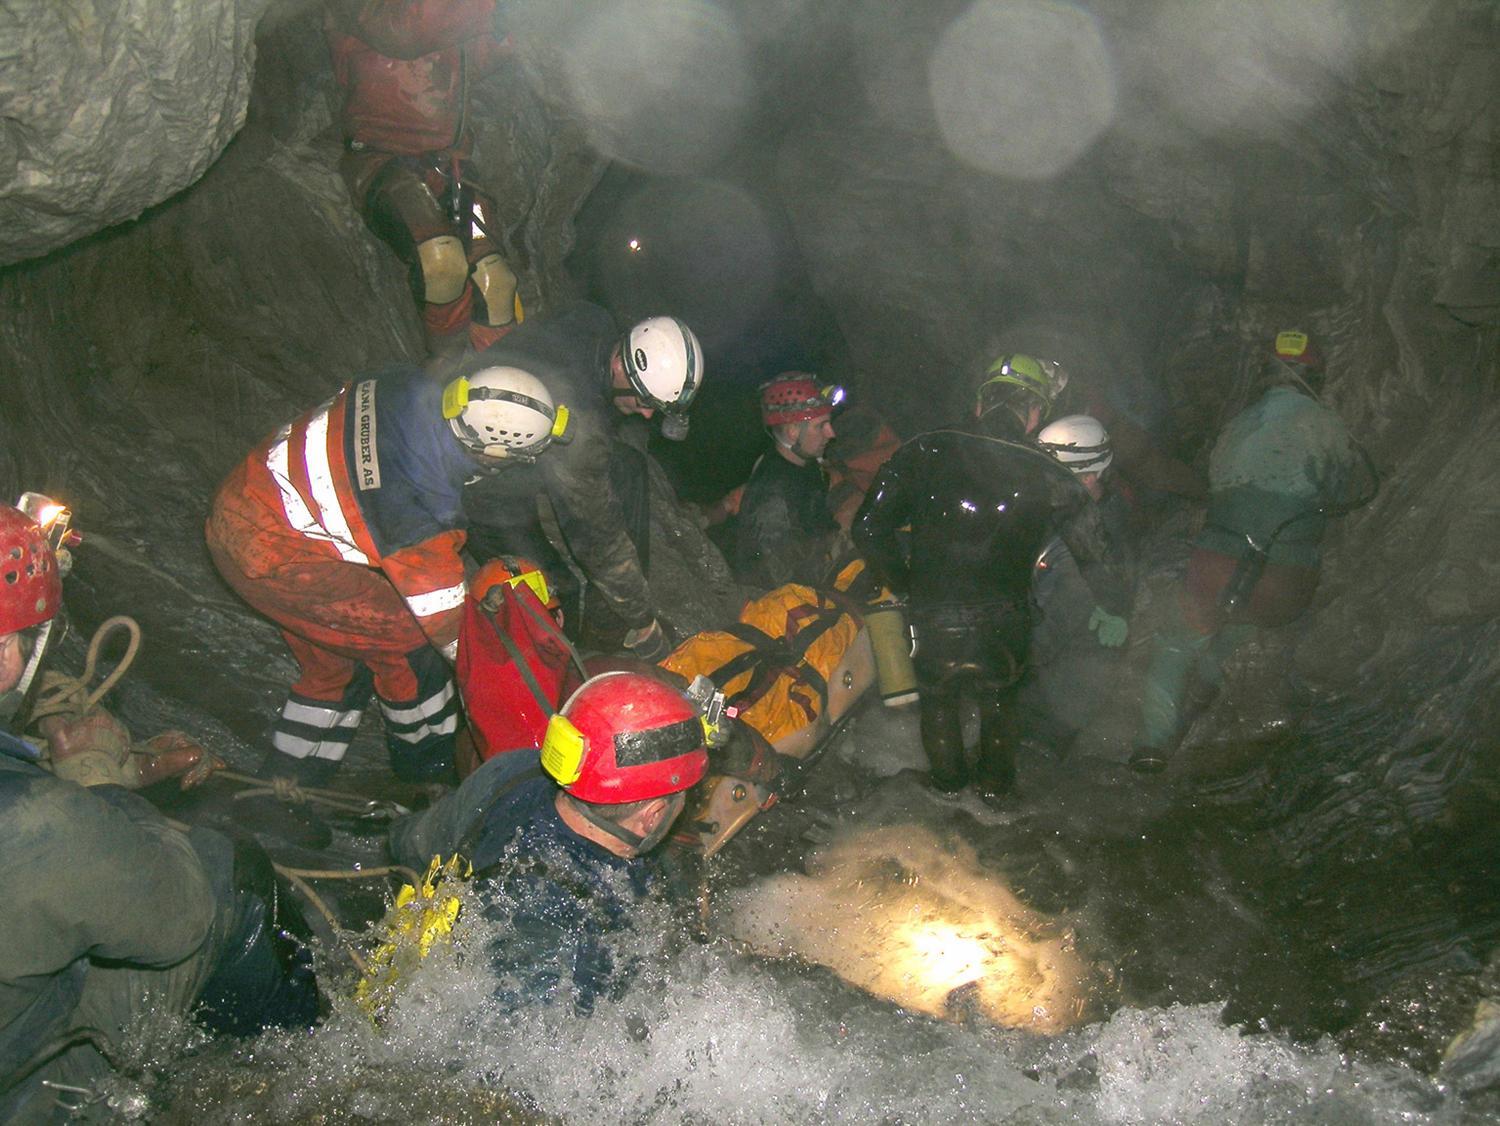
(1297,921)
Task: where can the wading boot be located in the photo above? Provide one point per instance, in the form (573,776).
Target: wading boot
(943,740)
(995,772)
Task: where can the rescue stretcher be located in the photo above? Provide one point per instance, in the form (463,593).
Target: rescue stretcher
(791,669)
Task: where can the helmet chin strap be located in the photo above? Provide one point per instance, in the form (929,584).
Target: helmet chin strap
(1294,376)
(638,844)
(12,703)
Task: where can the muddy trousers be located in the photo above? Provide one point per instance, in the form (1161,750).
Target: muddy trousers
(1188,655)
(411,203)
(353,636)
(969,653)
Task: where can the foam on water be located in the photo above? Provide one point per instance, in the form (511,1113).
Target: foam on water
(709,1034)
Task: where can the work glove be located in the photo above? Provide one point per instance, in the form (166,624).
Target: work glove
(649,642)
(95,750)
(1108,628)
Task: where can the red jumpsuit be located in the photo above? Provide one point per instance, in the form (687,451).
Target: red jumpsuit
(404,68)
(345,528)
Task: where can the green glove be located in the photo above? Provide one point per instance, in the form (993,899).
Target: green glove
(1111,630)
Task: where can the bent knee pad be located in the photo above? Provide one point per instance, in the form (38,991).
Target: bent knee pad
(445,270)
(496,283)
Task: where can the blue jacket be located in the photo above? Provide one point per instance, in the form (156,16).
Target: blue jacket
(558,895)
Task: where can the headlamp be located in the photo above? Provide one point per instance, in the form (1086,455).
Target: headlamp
(55,520)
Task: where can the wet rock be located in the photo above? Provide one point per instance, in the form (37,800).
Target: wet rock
(111,107)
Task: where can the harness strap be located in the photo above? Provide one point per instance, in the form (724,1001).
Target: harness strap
(768,657)
(524,668)
(545,621)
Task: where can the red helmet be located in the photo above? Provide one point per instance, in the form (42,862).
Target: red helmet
(794,396)
(625,736)
(514,571)
(30,585)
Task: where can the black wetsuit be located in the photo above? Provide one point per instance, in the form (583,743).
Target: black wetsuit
(784,527)
(981,506)
(597,483)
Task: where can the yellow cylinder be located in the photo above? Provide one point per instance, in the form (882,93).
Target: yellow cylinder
(894,673)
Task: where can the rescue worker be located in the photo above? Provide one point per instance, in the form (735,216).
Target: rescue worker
(345,528)
(1278,470)
(981,504)
(559,842)
(404,69)
(1137,457)
(785,532)
(110,913)
(598,486)
(863,442)
(1072,674)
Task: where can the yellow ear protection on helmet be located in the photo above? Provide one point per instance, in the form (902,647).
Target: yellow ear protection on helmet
(562,750)
(459,394)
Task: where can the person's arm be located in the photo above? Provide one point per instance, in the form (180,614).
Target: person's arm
(1100,560)
(886,508)
(429,576)
(122,884)
(593,520)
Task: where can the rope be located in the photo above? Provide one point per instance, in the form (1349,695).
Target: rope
(63,694)
(286,790)
(60,694)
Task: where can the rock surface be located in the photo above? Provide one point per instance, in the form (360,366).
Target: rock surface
(108,107)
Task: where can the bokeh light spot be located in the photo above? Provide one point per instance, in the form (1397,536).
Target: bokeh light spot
(1022,89)
(660,84)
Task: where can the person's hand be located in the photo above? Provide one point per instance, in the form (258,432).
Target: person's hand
(1110,630)
(171,755)
(648,642)
(92,750)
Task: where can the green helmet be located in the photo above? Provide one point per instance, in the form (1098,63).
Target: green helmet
(1041,378)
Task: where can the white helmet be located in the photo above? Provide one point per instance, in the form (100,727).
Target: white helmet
(504,413)
(1079,441)
(663,363)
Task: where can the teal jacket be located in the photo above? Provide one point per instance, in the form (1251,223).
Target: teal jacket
(1286,456)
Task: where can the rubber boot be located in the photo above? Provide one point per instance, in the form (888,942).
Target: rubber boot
(999,731)
(943,740)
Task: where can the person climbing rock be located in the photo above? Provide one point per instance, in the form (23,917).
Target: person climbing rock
(981,504)
(560,841)
(785,531)
(111,913)
(345,529)
(599,486)
(1278,471)
(404,69)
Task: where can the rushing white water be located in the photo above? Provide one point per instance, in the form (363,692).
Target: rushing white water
(892,899)
(714,1037)
(709,1033)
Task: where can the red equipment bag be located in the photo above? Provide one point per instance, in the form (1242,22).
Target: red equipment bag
(514,665)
